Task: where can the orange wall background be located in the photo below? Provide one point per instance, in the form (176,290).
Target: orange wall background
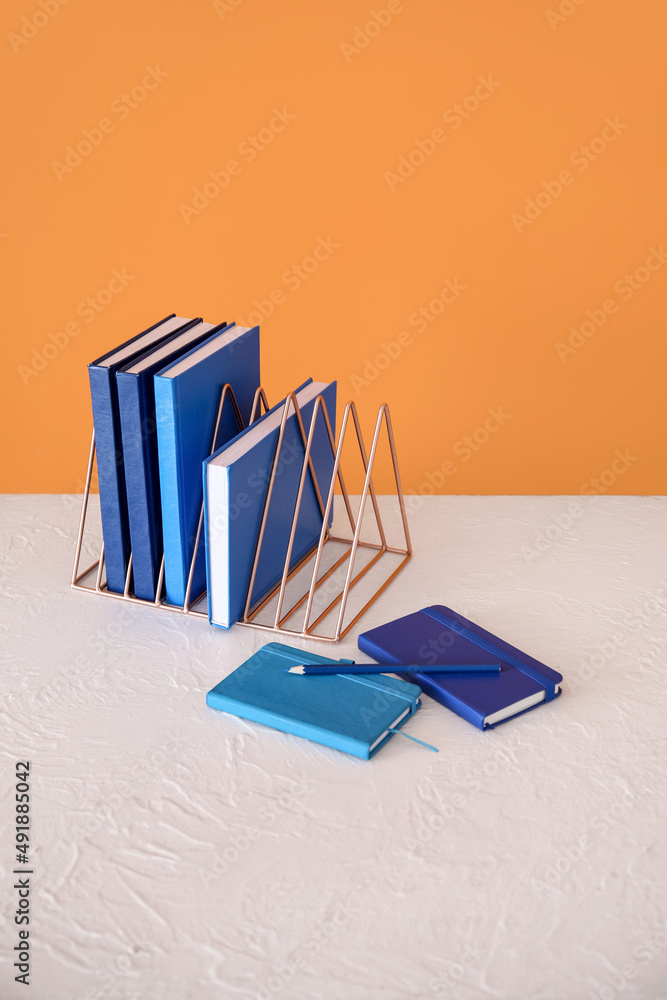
(499,167)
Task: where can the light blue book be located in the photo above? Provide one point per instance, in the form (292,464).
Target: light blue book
(187,395)
(236,480)
(352,712)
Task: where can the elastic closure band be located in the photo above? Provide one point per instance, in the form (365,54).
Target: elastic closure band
(468,633)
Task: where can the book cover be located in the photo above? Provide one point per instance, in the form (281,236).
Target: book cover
(108,443)
(352,713)
(187,396)
(136,405)
(435,634)
(236,480)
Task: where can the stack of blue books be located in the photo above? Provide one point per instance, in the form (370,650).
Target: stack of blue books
(155,399)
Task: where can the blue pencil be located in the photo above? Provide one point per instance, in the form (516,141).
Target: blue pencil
(322,669)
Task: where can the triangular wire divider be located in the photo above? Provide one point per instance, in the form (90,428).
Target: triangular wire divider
(100,567)
(362,449)
(319,408)
(260,397)
(382,418)
(305,466)
(384,412)
(99,562)
(309,627)
(290,403)
(82,520)
(323,534)
(128,577)
(337,471)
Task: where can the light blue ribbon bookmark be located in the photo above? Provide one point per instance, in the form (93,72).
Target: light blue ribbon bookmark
(399,732)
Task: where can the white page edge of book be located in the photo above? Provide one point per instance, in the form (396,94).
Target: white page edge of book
(205,351)
(264,426)
(393,726)
(516,707)
(218,583)
(153,336)
(169,347)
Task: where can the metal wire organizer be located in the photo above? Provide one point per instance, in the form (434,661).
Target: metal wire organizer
(280,616)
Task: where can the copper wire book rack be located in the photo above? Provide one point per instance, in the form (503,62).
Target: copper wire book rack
(315,566)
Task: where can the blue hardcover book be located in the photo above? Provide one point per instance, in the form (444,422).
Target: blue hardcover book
(136,404)
(439,635)
(108,443)
(353,713)
(236,480)
(187,396)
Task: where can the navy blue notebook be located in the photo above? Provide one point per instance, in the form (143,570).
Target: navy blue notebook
(439,635)
(136,404)
(108,443)
(187,397)
(354,713)
(236,480)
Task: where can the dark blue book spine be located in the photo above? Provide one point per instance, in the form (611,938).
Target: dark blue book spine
(111,478)
(137,418)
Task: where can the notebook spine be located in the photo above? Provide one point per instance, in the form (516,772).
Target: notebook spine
(172,526)
(143,529)
(111,476)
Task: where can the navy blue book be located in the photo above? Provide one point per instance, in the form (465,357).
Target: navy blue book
(136,405)
(106,418)
(187,396)
(236,481)
(439,635)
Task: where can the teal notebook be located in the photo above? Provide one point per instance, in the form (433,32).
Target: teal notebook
(351,712)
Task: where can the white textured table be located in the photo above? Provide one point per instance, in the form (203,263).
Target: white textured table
(181,853)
